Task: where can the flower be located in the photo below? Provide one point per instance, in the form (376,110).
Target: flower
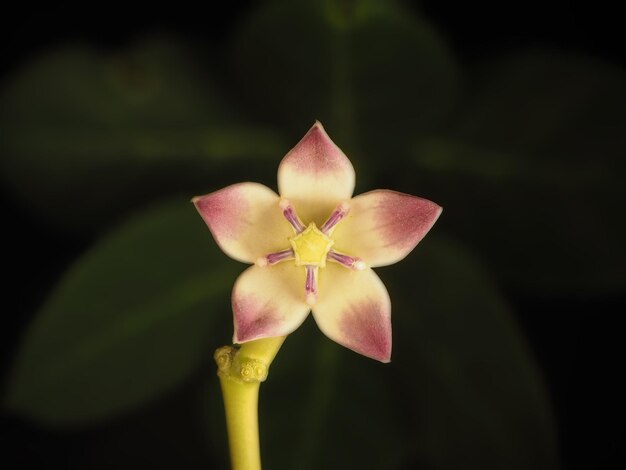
(313,248)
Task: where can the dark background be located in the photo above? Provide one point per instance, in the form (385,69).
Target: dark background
(575,339)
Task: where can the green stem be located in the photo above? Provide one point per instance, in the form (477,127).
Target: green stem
(241,371)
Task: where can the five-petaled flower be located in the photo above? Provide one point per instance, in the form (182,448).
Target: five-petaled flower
(313,247)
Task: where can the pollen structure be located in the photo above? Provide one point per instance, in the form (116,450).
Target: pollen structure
(311,247)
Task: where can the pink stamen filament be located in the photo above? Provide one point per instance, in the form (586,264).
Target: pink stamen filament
(339,213)
(349,262)
(277,257)
(292,217)
(310,285)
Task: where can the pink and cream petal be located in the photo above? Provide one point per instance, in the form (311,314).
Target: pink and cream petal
(384,226)
(245,220)
(354,310)
(268,301)
(315,176)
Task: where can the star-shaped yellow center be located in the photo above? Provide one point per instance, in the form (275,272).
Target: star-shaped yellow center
(311,246)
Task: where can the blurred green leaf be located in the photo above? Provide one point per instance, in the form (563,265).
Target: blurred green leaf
(373,72)
(532,171)
(129,321)
(86,135)
(462,390)
(477,397)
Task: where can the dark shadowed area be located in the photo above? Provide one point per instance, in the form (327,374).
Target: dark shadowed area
(506,346)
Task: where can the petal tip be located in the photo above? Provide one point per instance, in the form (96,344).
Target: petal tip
(221,210)
(384,355)
(384,360)
(316,168)
(316,152)
(318,136)
(438,211)
(253,318)
(395,223)
(365,328)
(264,304)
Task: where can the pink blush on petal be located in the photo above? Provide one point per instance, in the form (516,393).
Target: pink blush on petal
(223,211)
(404,219)
(316,154)
(366,328)
(254,318)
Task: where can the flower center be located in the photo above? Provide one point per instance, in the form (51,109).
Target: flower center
(311,246)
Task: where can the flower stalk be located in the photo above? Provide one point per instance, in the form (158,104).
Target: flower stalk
(241,371)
